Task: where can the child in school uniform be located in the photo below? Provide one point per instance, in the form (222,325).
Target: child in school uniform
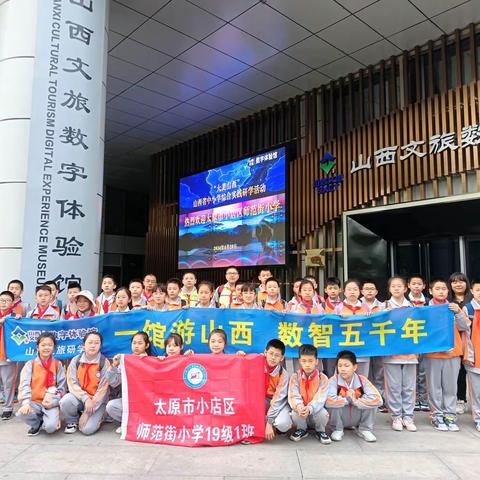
(149,283)
(8,369)
(249,295)
(400,371)
(296,294)
(85,306)
(238,300)
(351,305)
(44,309)
(307,393)
(84,406)
(317,297)
(42,385)
(55,302)
(141,347)
(373,305)
(19,306)
(217,343)
(273,300)
(174,301)
(307,303)
(277,381)
(472,354)
(333,290)
(174,347)
(205,295)
(189,293)
(105,302)
(70,306)
(136,289)
(159,298)
(123,298)
(352,400)
(263,276)
(416,287)
(441,368)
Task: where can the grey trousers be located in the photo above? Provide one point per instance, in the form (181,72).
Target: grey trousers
(441,376)
(8,374)
(283,421)
(72,407)
(376,374)
(400,381)
(474,394)
(114,409)
(363,419)
(318,421)
(50,417)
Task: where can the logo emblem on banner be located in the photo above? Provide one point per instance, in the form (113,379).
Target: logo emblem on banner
(195,376)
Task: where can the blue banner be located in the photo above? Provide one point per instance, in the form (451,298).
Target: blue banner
(394,332)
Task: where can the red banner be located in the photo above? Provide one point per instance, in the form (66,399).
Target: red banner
(193,401)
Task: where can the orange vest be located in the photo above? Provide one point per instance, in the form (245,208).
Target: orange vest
(475,336)
(261,296)
(88,375)
(38,379)
(345,311)
(272,385)
(279,306)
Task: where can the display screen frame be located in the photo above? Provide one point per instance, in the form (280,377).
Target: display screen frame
(288,148)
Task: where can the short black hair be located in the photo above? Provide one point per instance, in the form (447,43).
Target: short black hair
(433,281)
(18,282)
(73,285)
(176,281)
(43,287)
(307,349)
(49,335)
(8,294)
(415,275)
(272,279)
(474,281)
(346,355)
(276,343)
(333,281)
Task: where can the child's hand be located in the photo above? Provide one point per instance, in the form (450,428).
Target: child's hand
(186,307)
(454,307)
(25,409)
(116,360)
(161,357)
(18,316)
(89,406)
(148,307)
(269,432)
(240,353)
(368,313)
(188,352)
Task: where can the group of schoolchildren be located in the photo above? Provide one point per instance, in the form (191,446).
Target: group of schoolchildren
(348,394)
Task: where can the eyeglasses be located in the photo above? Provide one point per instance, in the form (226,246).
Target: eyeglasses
(5,300)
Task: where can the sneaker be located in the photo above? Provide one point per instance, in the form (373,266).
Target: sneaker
(461,406)
(71,428)
(118,430)
(439,424)
(298,435)
(451,424)
(367,435)
(337,435)
(245,442)
(383,409)
(323,438)
(418,406)
(107,419)
(7,415)
(409,424)
(477,426)
(424,406)
(397,424)
(35,430)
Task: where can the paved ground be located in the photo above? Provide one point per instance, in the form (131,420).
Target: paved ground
(396,455)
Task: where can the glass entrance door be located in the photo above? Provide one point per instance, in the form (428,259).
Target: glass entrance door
(429,258)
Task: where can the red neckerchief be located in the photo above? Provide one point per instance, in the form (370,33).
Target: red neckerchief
(7,313)
(106,306)
(308,380)
(268,371)
(352,309)
(308,306)
(41,313)
(329,304)
(417,303)
(438,303)
(77,314)
(49,377)
(147,297)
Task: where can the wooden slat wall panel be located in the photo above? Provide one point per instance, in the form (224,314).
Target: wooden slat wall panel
(281,124)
